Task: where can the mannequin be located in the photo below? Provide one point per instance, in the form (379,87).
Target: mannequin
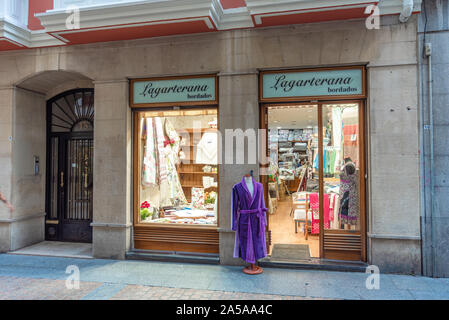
(249,221)
(249,184)
(349,197)
(252,269)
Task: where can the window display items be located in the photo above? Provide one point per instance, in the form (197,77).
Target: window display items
(161,157)
(146,212)
(198,197)
(249,222)
(175,188)
(207,149)
(349,195)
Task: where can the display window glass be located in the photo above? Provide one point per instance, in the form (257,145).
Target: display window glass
(341,166)
(178,167)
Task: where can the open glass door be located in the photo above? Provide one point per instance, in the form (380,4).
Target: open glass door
(316,207)
(342,177)
(292,181)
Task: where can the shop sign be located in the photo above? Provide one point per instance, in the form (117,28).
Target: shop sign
(197,90)
(313,84)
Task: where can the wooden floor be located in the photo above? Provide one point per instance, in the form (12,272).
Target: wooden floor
(282,228)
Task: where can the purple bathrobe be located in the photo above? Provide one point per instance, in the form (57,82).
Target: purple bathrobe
(249,221)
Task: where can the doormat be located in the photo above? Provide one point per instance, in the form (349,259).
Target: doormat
(287,252)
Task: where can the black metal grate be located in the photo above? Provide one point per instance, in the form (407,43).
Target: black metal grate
(53,209)
(73,112)
(80,184)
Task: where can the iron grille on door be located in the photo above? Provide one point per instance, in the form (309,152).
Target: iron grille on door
(79,205)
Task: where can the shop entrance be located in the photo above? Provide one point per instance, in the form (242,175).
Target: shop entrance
(70,166)
(316,180)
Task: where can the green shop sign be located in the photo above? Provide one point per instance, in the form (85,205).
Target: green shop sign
(195,90)
(313,84)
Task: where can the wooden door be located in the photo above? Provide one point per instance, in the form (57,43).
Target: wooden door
(264,167)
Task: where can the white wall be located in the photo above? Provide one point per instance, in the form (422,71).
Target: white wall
(62,4)
(16,11)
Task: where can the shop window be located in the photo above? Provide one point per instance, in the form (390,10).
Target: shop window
(178,167)
(341,167)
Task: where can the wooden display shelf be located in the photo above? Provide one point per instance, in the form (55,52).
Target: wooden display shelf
(198,172)
(191,130)
(190,173)
(196,186)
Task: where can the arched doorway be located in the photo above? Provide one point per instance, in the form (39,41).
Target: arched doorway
(69,188)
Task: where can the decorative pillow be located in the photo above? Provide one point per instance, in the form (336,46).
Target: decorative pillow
(198,197)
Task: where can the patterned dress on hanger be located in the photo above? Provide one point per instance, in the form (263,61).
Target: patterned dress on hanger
(349,196)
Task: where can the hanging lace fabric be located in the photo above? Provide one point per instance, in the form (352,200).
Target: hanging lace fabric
(149,167)
(176,193)
(162,159)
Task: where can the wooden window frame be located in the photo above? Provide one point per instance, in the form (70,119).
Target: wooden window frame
(172,237)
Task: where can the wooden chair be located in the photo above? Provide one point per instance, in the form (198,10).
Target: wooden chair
(301,210)
(302,185)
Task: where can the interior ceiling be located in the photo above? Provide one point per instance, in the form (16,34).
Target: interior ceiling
(296,117)
(48,80)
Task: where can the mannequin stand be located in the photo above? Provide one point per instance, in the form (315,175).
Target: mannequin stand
(253,269)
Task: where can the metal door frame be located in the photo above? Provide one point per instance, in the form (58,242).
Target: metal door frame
(62,157)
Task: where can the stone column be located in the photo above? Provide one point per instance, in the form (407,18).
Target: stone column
(394,225)
(6,127)
(23,136)
(112,170)
(238,109)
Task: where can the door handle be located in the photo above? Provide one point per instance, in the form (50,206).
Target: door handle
(62,180)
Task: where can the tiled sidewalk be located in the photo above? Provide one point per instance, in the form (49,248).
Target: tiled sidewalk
(13,288)
(32,277)
(135,292)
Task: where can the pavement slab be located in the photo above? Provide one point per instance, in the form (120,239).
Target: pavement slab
(37,277)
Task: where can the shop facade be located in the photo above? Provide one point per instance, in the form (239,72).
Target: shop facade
(328,196)
(232,64)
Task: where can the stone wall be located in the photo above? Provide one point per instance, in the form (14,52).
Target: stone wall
(26,189)
(237,55)
(435,262)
